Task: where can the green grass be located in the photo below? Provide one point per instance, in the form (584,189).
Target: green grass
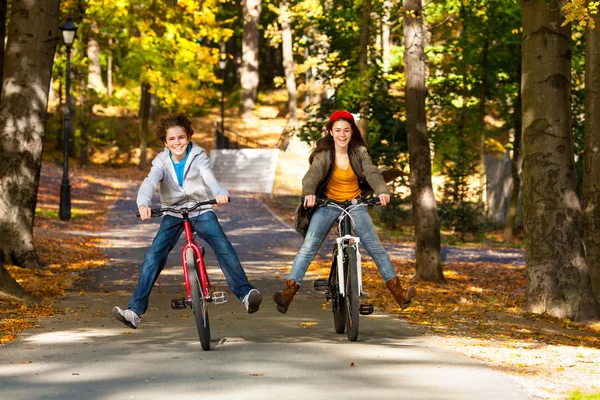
(577,395)
(50,214)
(53,214)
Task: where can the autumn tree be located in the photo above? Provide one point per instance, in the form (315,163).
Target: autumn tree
(427,227)
(32,39)
(288,62)
(557,273)
(363,62)
(591,173)
(515,167)
(249,69)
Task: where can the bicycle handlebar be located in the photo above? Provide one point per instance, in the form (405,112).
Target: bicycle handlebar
(369,201)
(158,212)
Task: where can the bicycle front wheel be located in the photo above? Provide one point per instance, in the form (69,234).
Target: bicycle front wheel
(352,294)
(338,304)
(198,300)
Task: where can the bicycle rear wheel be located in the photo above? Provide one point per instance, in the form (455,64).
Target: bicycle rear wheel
(352,294)
(198,300)
(338,304)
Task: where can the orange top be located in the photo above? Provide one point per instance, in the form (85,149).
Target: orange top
(343,184)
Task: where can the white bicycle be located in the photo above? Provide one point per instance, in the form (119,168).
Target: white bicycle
(344,285)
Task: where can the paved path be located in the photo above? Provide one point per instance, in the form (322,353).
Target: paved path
(86,354)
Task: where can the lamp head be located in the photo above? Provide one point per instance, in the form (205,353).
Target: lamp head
(69,29)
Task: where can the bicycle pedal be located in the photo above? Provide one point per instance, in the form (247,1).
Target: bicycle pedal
(366,309)
(179,304)
(219,297)
(321,285)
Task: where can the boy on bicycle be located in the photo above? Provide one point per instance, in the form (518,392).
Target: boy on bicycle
(183,176)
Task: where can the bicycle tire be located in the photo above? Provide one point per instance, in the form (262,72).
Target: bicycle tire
(198,301)
(352,294)
(338,305)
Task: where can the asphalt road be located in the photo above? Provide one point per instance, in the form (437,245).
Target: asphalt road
(84,353)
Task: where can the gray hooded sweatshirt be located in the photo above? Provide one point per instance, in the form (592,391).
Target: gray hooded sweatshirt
(199,183)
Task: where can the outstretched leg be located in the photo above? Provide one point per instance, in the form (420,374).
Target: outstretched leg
(320,224)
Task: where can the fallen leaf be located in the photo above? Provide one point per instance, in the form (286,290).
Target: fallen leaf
(184,316)
(352,365)
(259,374)
(308,324)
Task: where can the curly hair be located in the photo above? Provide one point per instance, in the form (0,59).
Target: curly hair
(171,121)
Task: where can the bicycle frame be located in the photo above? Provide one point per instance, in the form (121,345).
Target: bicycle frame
(190,243)
(346,239)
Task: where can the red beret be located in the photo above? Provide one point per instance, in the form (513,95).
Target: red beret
(341,114)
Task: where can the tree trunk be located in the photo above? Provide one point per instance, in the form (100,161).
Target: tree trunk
(591,175)
(3,7)
(10,289)
(482,90)
(93,53)
(386,37)
(509,224)
(33,36)
(249,70)
(83,121)
(363,62)
(427,226)
(109,83)
(288,64)
(144,116)
(558,282)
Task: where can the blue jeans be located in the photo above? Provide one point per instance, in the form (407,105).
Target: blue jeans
(320,224)
(208,229)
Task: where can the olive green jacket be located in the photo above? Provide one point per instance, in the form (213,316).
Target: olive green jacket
(318,175)
(315,181)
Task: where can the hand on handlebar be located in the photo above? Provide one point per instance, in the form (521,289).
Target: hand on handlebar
(222,199)
(144,212)
(384,199)
(310,200)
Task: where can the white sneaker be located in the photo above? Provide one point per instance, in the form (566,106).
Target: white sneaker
(252,301)
(128,317)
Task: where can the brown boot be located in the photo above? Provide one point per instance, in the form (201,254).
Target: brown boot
(402,296)
(284,297)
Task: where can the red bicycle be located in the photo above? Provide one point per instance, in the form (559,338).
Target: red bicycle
(197,284)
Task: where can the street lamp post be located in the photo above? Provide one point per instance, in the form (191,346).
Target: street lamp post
(68,31)
(222,65)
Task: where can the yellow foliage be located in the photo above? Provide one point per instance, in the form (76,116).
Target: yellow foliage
(494,147)
(581,12)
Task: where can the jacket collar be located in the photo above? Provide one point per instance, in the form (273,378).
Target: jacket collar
(166,159)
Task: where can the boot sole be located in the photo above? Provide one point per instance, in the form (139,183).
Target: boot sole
(411,292)
(277,298)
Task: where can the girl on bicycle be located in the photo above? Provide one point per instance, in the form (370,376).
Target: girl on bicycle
(339,166)
(183,176)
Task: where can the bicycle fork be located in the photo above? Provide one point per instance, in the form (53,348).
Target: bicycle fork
(343,243)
